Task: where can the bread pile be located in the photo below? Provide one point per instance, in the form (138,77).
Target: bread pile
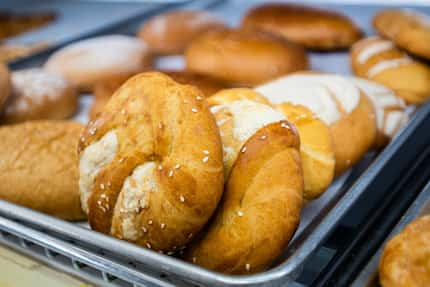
(216,162)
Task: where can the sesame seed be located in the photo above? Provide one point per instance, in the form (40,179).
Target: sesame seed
(160,167)
(150,222)
(144,229)
(99,202)
(103,209)
(194,110)
(206,152)
(103,195)
(247,266)
(205,159)
(148,245)
(93,131)
(263,137)
(285,125)
(123,111)
(194,259)
(171,173)
(177,166)
(121,159)
(181,198)
(137,209)
(102,186)
(160,125)
(109,184)
(162,225)
(107,205)
(185,102)
(243,149)
(240,213)
(199,98)
(125,121)
(82,139)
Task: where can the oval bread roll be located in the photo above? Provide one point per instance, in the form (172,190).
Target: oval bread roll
(405,261)
(311,27)
(151,164)
(243,57)
(316,149)
(4,84)
(338,103)
(409,29)
(38,94)
(260,208)
(89,61)
(41,171)
(380,61)
(171,32)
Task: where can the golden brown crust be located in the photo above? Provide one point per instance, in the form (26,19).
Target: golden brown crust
(408,29)
(405,261)
(311,27)
(5,85)
(161,124)
(41,171)
(407,77)
(90,61)
(171,32)
(38,94)
(236,94)
(257,217)
(243,57)
(316,149)
(105,89)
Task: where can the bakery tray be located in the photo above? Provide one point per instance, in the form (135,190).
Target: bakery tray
(421,206)
(108,261)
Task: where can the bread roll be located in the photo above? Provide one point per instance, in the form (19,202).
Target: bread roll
(316,149)
(4,84)
(38,94)
(260,208)
(151,164)
(243,57)
(311,27)
(105,89)
(171,32)
(409,29)
(389,109)
(380,61)
(89,61)
(338,103)
(39,167)
(405,261)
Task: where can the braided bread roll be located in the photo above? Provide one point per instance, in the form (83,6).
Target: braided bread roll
(260,208)
(379,60)
(151,164)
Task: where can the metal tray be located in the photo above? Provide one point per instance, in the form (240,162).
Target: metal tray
(76,249)
(421,206)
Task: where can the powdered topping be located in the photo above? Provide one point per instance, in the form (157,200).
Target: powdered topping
(386,65)
(373,49)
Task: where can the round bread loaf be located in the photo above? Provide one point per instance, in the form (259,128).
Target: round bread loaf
(4,84)
(389,109)
(311,27)
(151,164)
(316,149)
(39,167)
(89,61)
(338,103)
(105,89)
(409,29)
(171,32)
(405,261)
(260,208)
(39,94)
(379,60)
(243,57)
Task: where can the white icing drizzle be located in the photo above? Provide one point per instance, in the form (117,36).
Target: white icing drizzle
(388,64)
(372,49)
(320,93)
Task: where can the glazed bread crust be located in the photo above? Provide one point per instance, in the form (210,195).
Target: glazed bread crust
(151,164)
(311,27)
(39,167)
(5,84)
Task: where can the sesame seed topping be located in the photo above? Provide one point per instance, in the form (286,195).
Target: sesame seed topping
(137,209)
(185,102)
(194,259)
(162,225)
(194,110)
(103,195)
(181,198)
(206,152)
(102,186)
(144,229)
(243,149)
(247,266)
(148,245)
(150,222)
(160,125)
(205,159)
(285,125)
(263,137)
(109,184)
(123,111)
(177,166)
(199,98)
(160,167)
(99,202)
(121,159)
(240,213)
(82,139)
(171,173)
(93,131)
